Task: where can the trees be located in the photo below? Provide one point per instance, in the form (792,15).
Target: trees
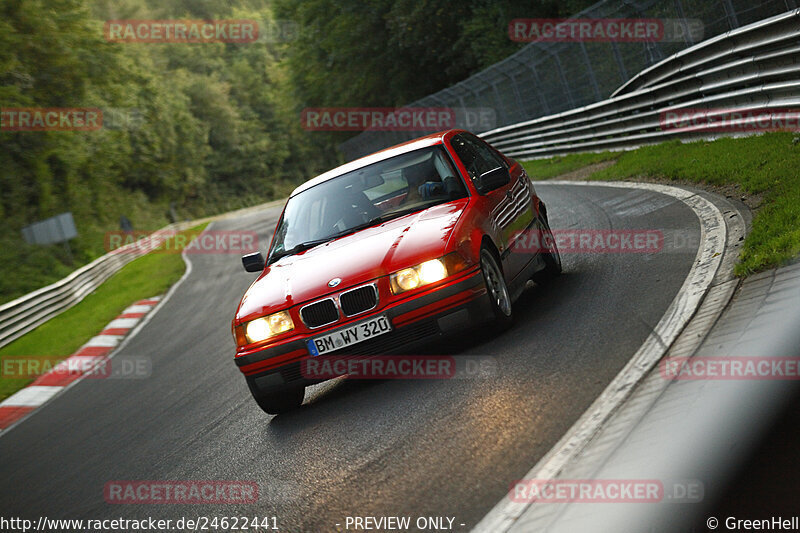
(207,126)
(392,52)
(212,126)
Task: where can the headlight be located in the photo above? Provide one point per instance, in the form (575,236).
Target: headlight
(427,272)
(405,280)
(432,271)
(265,327)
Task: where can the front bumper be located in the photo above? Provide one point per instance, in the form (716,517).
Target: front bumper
(416,322)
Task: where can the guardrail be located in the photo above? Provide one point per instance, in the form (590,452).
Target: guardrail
(755,66)
(27,312)
(544,78)
(20,316)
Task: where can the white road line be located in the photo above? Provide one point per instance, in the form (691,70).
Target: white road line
(677,315)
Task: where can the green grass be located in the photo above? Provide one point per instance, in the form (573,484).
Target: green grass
(767,165)
(149,275)
(555,166)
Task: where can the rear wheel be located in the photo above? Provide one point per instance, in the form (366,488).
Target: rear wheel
(496,288)
(551,257)
(275,403)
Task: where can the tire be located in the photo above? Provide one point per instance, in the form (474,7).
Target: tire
(552,259)
(275,403)
(496,288)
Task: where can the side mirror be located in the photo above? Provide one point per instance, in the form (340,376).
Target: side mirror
(494,179)
(253,262)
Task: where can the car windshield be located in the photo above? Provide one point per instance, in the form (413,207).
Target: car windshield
(366,196)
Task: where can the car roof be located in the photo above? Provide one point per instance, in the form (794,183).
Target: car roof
(409,146)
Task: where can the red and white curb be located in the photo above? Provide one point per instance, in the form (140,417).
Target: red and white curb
(75,367)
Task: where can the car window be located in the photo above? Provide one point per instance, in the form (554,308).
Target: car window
(408,182)
(476,156)
(393,183)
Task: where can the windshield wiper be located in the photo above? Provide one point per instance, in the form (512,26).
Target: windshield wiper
(303,246)
(296,249)
(402,212)
(380,219)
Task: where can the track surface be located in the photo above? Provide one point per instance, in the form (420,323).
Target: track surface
(378,448)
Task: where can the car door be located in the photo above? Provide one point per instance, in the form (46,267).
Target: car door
(509,207)
(515,216)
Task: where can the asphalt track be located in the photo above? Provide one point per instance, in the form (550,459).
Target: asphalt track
(356,448)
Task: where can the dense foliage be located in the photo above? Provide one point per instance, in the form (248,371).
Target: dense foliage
(206,127)
(391,52)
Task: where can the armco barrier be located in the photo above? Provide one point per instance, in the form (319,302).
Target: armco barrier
(545,78)
(755,66)
(27,312)
(35,308)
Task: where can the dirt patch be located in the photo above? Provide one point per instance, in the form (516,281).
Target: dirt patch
(731,191)
(584,172)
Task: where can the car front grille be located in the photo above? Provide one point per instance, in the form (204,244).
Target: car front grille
(359,300)
(319,313)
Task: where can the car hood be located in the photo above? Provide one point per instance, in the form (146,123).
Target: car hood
(355,259)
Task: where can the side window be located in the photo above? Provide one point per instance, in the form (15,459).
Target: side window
(466,153)
(488,155)
(476,156)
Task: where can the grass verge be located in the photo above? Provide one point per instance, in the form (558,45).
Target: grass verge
(556,166)
(767,165)
(146,276)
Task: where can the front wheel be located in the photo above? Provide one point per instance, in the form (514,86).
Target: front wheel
(496,288)
(275,403)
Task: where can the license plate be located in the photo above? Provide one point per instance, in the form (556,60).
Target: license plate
(341,338)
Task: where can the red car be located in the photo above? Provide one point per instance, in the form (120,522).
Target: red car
(386,252)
